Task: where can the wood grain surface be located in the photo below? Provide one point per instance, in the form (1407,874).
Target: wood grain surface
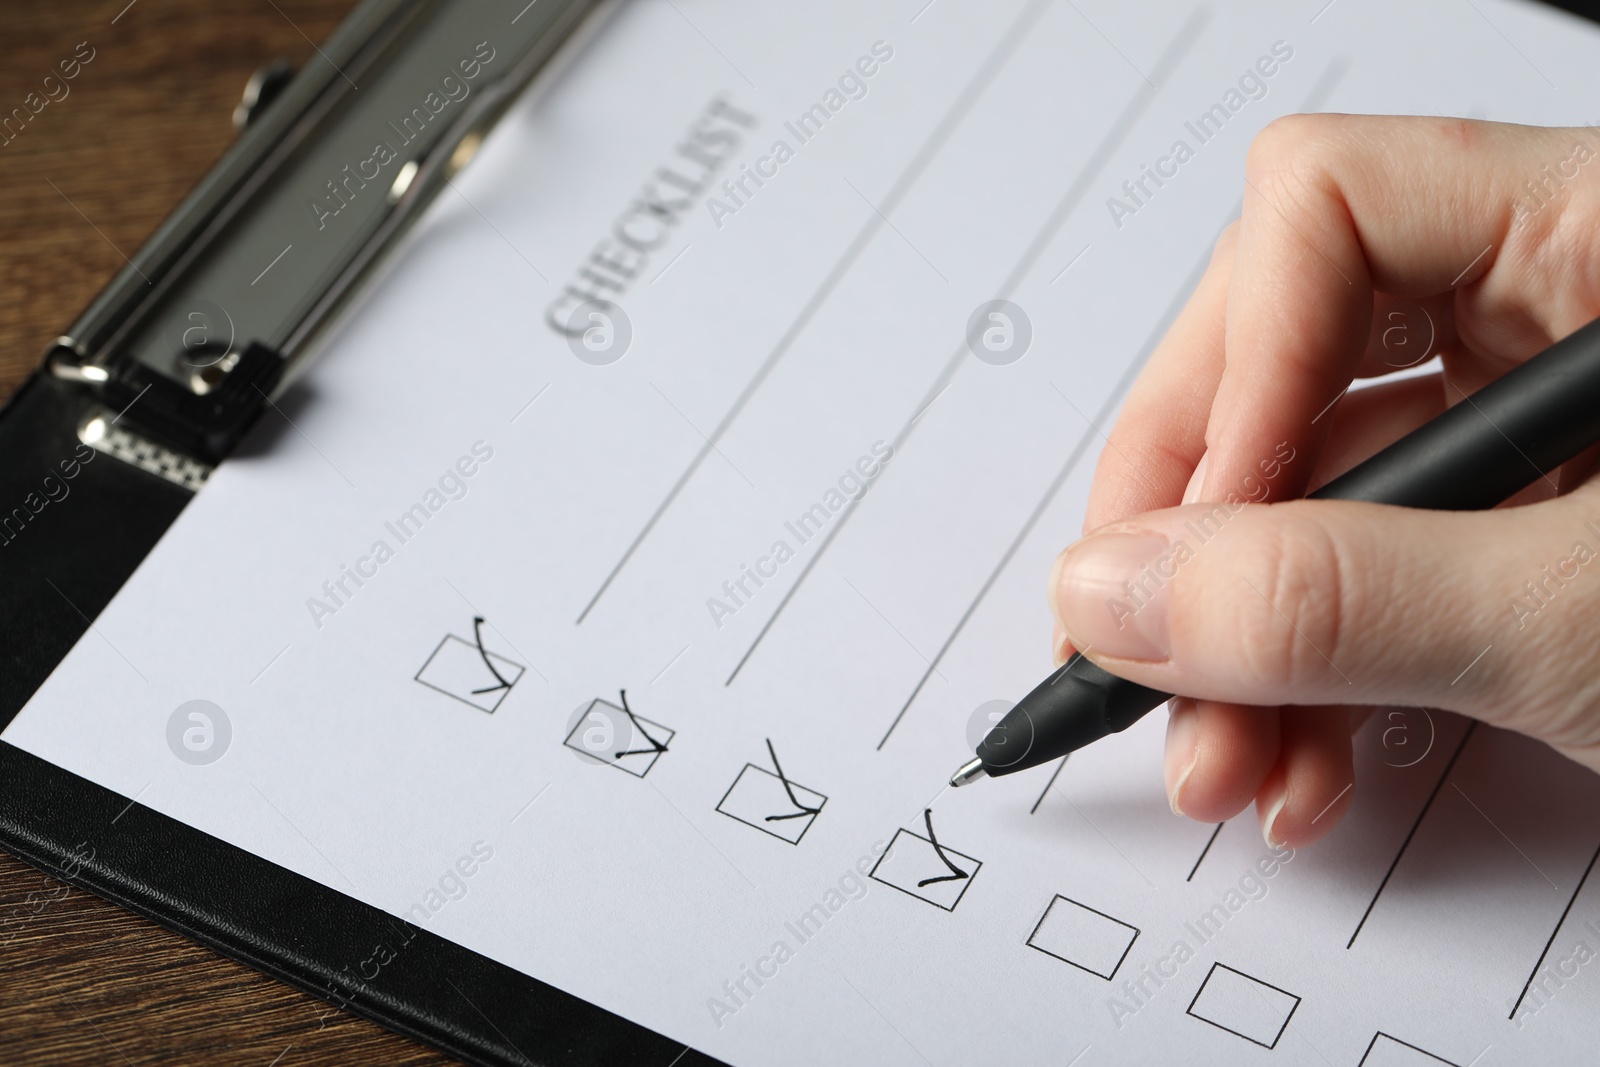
(81,185)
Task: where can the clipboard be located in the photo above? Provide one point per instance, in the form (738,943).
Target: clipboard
(155,384)
(152,386)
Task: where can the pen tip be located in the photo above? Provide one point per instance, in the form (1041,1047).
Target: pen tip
(969,772)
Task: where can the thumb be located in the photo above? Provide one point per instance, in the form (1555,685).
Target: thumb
(1335,602)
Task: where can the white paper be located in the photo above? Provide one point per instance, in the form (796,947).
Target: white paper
(378,748)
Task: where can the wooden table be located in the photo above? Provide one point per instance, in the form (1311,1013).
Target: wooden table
(81,185)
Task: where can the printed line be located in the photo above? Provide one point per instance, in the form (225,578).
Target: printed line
(897,230)
(925,407)
(891,625)
(524,11)
(1047,786)
(1559,923)
(1205,851)
(703,437)
(1323,88)
(1109,443)
(1423,814)
(868,231)
(1113,47)
(1097,161)
(956,873)
(788,787)
(1073,459)
(274,263)
(121,13)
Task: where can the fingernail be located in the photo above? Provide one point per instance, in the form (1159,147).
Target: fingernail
(1057,640)
(1269,820)
(1110,594)
(1197,480)
(1183,748)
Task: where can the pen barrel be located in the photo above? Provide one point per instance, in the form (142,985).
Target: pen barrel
(1491,444)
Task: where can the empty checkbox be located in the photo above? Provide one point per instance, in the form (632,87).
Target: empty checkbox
(1386,1051)
(1088,939)
(1245,1007)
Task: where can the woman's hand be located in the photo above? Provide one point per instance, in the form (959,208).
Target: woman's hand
(1366,244)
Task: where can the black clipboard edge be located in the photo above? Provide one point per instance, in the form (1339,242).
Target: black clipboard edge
(303,933)
(97,517)
(1589,9)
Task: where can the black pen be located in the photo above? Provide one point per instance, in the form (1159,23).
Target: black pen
(1473,456)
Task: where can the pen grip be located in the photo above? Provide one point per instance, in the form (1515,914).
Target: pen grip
(1106,705)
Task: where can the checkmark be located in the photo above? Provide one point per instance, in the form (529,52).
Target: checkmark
(925,867)
(656,746)
(469,672)
(956,873)
(769,801)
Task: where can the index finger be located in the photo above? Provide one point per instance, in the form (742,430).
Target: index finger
(1337,206)
(1159,435)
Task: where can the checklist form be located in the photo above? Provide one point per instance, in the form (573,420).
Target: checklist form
(786,338)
